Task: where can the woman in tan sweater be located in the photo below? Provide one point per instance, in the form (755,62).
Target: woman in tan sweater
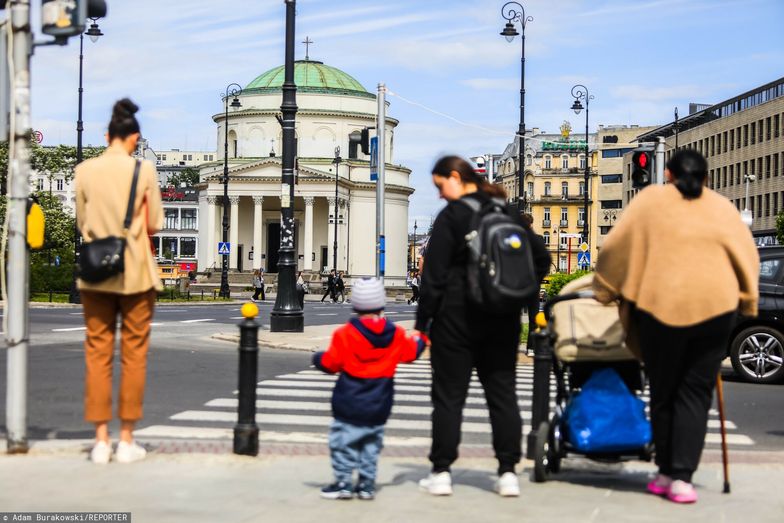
(103,187)
(684,264)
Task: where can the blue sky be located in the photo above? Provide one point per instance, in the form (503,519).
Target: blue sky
(639,58)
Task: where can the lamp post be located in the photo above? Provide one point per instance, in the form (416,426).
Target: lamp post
(336,161)
(580,92)
(414,250)
(558,250)
(232,90)
(94,32)
(676,128)
(513,12)
(746,215)
(287,315)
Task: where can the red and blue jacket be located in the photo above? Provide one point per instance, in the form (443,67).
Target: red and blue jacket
(366,352)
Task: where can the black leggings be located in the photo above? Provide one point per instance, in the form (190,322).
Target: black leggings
(682,364)
(259,290)
(453,356)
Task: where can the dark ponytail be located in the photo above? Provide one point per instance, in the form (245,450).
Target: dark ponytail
(447,164)
(123,123)
(689,170)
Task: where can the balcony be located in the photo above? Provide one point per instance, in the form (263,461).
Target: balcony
(545,223)
(580,223)
(564,223)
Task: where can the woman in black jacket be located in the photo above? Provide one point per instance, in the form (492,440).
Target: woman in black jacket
(465,337)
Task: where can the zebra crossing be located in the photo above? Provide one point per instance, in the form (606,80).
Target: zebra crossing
(295,408)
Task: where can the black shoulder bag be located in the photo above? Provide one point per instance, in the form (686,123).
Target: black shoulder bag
(103,258)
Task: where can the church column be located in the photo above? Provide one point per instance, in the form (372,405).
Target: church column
(212,246)
(330,231)
(258,201)
(308,247)
(234,230)
(342,236)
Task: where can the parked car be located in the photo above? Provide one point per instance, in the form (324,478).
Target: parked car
(757,344)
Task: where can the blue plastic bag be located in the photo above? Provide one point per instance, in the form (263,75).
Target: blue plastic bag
(606,417)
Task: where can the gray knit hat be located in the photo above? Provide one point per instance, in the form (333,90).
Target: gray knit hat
(367,295)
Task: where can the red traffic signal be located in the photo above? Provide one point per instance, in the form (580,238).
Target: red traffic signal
(642,168)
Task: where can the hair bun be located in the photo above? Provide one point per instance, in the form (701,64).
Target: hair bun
(124,108)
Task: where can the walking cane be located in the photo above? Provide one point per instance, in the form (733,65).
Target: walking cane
(724,456)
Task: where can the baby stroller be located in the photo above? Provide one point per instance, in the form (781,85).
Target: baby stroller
(579,338)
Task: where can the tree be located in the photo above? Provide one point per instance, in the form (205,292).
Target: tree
(189,176)
(780,227)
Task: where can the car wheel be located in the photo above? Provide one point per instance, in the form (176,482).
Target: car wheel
(757,354)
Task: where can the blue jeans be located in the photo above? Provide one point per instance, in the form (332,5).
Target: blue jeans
(355,447)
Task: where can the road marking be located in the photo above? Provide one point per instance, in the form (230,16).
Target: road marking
(328,314)
(72,329)
(732,439)
(71,313)
(523,389)
(197,321)
(156,324)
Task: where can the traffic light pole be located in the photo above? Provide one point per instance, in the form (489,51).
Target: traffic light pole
(381,137)
(659,162)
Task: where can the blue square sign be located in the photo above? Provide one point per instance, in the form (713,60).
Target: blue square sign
(224,248)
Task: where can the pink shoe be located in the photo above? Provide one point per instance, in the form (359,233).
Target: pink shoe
(682,492)
(660,485)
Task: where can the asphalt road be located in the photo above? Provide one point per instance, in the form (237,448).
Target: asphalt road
(188,369)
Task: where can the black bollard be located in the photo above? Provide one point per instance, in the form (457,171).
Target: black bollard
(540,401)
(246,432)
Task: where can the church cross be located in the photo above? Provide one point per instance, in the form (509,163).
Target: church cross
(307,41)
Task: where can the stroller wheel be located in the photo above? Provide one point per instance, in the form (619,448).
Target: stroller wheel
(555,444)
(542,453)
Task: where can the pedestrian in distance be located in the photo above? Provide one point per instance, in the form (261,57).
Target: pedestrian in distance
(414,288)
(301,290)
(258,285)
(466,336)
(103,185)
(684,266)
(366,352)
(340,288)
(330,291)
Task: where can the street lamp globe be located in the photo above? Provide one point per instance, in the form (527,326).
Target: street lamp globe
(94,32)
(236,103)
(577,106)
(509,32)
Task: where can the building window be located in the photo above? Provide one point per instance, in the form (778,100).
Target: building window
(548,162)
(529,160)
(564,190)
(59,186)
(767,205)
(169,247)
(170,218)
(163,157)
(189,219)
(188,247)
(775,204)
(760,130)
(40,184)
(713,145)
(732,139)
(605,229)
(775,165)
(611,178)
(547,189)
(746,135)
(612,204)
(564,241)
(546,237)
(580,216)
(547,214)
(767,128)
(582,188)
(753,133)
(582,161)
(530,189)
(564,162)
(775,126)
(564,216)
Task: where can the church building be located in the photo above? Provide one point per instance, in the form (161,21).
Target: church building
(331,106)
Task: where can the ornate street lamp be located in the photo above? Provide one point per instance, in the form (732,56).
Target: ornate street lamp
(513,13)
(94,32)
(233,91)
(580,92)
(287,314)
(336,161)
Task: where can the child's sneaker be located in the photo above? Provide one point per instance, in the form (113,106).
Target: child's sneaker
(439,484)
(338,490)
(101,453)
(660,485)
(682,492)
(130,452)
(365,489)
(508,485)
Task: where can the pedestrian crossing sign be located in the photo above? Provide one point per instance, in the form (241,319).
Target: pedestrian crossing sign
(584,259)
(224,248)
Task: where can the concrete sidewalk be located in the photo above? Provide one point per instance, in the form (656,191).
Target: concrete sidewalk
(284,487)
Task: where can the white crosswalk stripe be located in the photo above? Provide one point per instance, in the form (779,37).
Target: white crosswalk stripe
(295,407)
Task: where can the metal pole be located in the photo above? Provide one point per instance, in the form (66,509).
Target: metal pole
(246,431)
(335,240)
(287,314)
(225,291)
(676,128)
(660,160)
(381,137)
(17,331)
(587,177)
(73,295)
(540,400)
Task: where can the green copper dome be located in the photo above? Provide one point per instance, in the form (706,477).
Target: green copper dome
(310,76)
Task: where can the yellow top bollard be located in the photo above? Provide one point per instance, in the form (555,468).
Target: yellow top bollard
(249,310)
(541,321)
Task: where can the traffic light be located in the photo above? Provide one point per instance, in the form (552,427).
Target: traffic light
(642,167)
(65,18)
(364,143)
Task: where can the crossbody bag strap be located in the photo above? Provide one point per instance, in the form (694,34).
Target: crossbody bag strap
(132,197)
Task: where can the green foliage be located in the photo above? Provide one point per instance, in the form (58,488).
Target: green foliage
(560,279)
(189,176)
(780,227)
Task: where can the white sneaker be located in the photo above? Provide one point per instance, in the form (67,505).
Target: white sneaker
(130,452)
(508,485)
(437,484)
(101,453)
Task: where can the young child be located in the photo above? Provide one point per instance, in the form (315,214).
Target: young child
(365,352)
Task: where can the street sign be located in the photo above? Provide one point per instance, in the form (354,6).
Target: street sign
(583,246)
(570,235)
(584,259)
(374,159)
(224,248)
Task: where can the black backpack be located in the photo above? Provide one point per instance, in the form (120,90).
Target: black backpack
(501,276)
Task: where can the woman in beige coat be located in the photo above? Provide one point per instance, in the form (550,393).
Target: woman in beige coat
(103,186)
(681,259)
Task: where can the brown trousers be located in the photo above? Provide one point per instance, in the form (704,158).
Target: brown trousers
(100,318)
